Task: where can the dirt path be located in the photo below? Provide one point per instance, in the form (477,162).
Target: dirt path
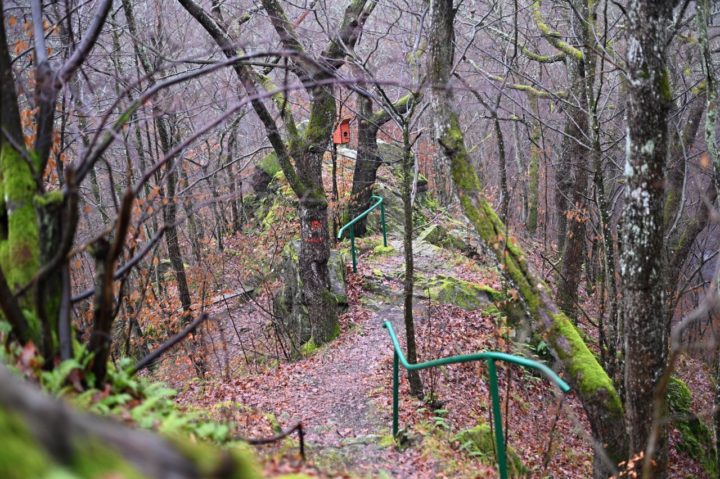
(342,392)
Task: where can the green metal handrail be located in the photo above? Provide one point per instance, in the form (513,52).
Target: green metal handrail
(489,357)
(351,225)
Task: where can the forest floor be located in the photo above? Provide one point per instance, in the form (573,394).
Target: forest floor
(342,393)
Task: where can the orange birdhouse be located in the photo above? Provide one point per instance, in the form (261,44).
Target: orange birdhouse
(342,132)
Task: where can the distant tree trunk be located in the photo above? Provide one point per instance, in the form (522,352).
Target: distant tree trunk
(533,172)
(366,165)
(416,387)
(193,231)
(502,157)
(167,141)
(235,212)
(647,325)
(368,159)
(441,46)
(575,165)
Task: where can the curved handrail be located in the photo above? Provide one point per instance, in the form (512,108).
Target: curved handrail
(483,356)
(379,199)
(351,225)
(489,357)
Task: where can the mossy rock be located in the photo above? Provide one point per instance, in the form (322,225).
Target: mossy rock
(434,234)
(458,292)
(480,442)
(696,437)
(289,306)
(264,172)
(277,204)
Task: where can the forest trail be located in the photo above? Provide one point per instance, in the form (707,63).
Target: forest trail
(342,391)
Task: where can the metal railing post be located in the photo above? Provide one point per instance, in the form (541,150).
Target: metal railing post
(396,395)
(497,420)
(352,248)
(382,221)
(351,225)
(490,357)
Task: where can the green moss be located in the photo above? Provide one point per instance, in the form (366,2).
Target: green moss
(696,437)
(433,234)
(212,461)
(665,86)
(93,459)
(679,397)
(270,164)
(50,198)
(670,206)
(464,294)
(20,258)
(322,118)
(20,455)
(552,36)
(480,442)
(583,366)
(382,250)
(310,348)
(386,440)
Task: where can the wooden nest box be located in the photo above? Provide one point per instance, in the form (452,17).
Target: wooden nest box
(342,132)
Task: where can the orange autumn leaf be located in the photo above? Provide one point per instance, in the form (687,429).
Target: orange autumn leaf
(20,45)
(705,160)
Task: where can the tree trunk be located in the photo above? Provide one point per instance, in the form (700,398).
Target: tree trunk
(595,389)
(19,232)
(313,259)
(533,168)
(647,325)
(573,180)
(441,46)
(366,165)
(416,386)
(170,219)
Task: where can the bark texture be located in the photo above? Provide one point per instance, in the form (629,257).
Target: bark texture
(647,326)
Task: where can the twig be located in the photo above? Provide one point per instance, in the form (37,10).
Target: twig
(297,427)
(150,358)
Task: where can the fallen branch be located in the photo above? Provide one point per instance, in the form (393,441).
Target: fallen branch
(153,356)
(297,427)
